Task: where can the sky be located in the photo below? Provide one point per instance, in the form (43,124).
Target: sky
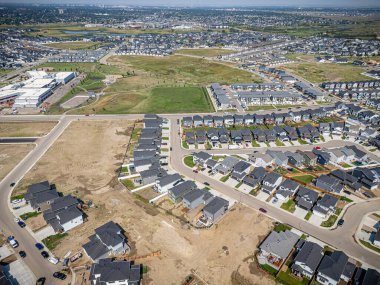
(219,3)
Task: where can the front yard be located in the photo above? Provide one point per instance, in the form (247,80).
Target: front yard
(188,160)
(289,206)
(330,221)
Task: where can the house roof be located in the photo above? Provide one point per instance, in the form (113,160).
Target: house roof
(168,179)
(371,277)
(194,195)
(215,205)
(333,265)
(241,166)
(202,155)
(110,234)
(280,243)
(288,184)
(182,188)
(107,270)
(310,254)
(328,201)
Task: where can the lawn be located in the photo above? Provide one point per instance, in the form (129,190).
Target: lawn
(289,206)
(206,52)
(306,179)
(308,215)
(345,199)
(185,145)
(124,170)
(281,228)
(224,178)
(188,160)
(51,242)
(76,45)
(279,143)
(321,72)
(301,141)
(255,144)
(287,279)
(369,245)
(28,215)
(128,184)
(330,221)
(269,269)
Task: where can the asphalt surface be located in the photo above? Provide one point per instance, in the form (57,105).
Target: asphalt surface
(17,140)
(341,238)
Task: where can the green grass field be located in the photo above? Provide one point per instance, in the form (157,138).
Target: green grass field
(321,72)
(289,206)
(303,178)
(76,45)
(206,52)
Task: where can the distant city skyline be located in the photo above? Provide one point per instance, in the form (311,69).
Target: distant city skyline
(211,3)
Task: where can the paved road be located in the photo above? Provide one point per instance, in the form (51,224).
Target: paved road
(17,140)
(34,260)
(341,238)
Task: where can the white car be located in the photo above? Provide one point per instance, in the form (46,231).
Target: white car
(13,243)
(53,260)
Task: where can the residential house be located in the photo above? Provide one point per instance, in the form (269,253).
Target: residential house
(224,136)
(325,206)
(331,268)
(163,184)
(151,175)
(201,157)
(369,178)
(187,122)
(323,157)
(261,159)
(177,192)
(200,136)
(214,210)
(280,159)
(306,198)
(40,195)
(310,159)
(270,182)
(259,135)
(108,239)
(236,136)
(295,158)
(114,272)
(228,120)
(227,165)
(275,249)
(240,170)
(193,199)
(329,183)
(190,138)
(346,179)
(286,190)
(247,135)
(197,121)
(208,121)
(307,259)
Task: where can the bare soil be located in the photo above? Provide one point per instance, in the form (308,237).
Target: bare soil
(25,129)
(11,155)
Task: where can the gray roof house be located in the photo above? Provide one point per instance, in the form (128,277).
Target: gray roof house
(41,194)
(331,268)
(306,198)
(201,157)
(215,209)
(177,192)
(240,170)
(287,189)
(329,183)
(277,247)
(163,184)
(108,239)
(279,157)
(193,198)
(325,206)
(270,182)
(227,164)
(107,271)
(307,259)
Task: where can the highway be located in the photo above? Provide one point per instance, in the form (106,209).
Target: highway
(341,238)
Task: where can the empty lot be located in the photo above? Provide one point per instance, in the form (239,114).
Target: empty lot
(25,129)
(84,162)
(11,155)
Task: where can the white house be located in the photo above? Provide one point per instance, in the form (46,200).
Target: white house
(163,184)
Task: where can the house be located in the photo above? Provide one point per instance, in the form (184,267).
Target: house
(325,206)
(200,136)
(336,156)
(111,272)
(194,198)
(291,133)
(151,175)
(370,276)
(376,240)
(306,198)
(238,120)
(286,189)
(276,248)
(323,157)
(215,209)
(309,158)
(108,239)
(259,119)
(261,159)
(190,138)
(249,119)
(329,184)
(197,121)
(187,122)
(280,159)
(307,259)
(236,136)
(208,121)
(40,195)
(213,136)
(240,170)
(270,182)
(218,121)
(337,128)
(201,157)
(224,136)
(63,214)
(228,120)
(346,179)
(163,184)
(331,268)
(227,165)
(360,155)
(369,178)
(281,133)
(258,173)
(247,135)
(259,135)
(270,135)
(295,158)
(251,181)
(177,192)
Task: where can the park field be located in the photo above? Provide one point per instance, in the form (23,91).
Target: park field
(206,52)
(322,72)
(161,84)
(76,45)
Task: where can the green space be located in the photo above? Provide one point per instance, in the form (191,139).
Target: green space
(28,215)
(279,143)
(345,165)
(289,206)
(128,184)
(345,199)
(269,269)
(17,197)
(308,215)
(239,184)
(255,144)
(281,228)
(301,141)
(76,45)
(306,179)
(51,242)
(321,72)
(287,278)
(272,107)
(206,52)
(330,221)
(369,245)
(185,145)
(255,191)
(225,178)
(188,160)
(124,170)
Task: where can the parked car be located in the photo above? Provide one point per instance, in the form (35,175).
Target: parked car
(206,183)
(59,275)
(39,246)
(340,222)
(12,184)
(195,171)
(53,260)
(41,281)
(22,253)
(21,224)
(262,210)
(14,243)
(44,254)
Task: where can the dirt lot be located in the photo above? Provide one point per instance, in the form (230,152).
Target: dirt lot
(25,129)
(84,161)
(11,155)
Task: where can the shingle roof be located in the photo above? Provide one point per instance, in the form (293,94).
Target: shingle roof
(113,271)
(333,265)
(280,243)
(309,254)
